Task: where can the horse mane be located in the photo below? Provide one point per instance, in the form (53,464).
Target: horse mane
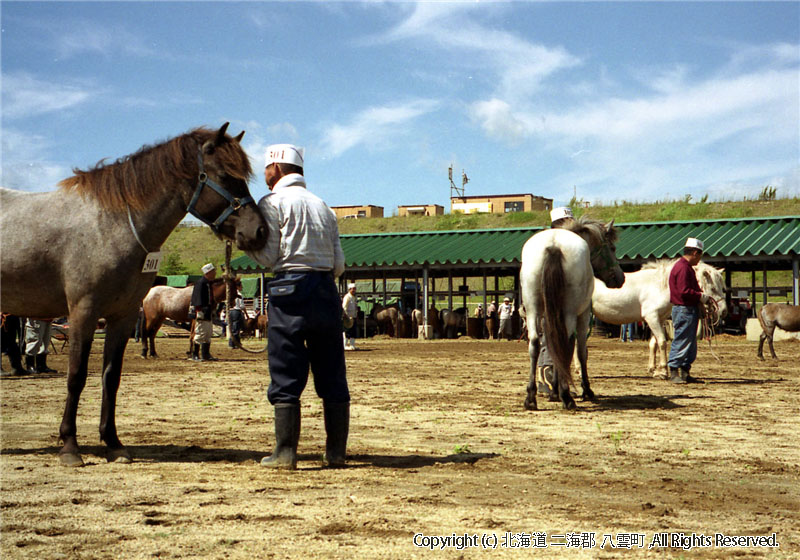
(132,180)
(594,228)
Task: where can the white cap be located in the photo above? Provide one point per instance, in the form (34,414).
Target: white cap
(694,243)
(560,213)
(506,299)
(351,285)
(208,268)
(283,153)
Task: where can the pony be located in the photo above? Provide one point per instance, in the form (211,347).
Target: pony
(166,302)
(387,319)
(89,249)
(645,296)
(556,280)
(782,315)
(452,320)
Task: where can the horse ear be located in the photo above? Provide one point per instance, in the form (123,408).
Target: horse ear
(610,225)
(239,137)
(220,139)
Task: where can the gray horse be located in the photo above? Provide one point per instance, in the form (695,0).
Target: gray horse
(88,249)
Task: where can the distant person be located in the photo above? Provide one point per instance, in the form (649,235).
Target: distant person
(237,317)
(37,344)
(305,311)
(491,319)
(479,311)
(203,303)
(350,309)
(686,296)
(545,372)
(504,312)
(626,332)
(10,337)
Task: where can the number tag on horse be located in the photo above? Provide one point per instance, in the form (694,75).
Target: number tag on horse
(151,262)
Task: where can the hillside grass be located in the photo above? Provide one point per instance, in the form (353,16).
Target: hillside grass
(188,248)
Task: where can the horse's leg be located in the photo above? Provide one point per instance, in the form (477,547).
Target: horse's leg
(658,341)
(583,355)
(533,352)
(117,333)
(145,334)
(770,338)
(82,326)
(761,340)
(651,355)
(563,388)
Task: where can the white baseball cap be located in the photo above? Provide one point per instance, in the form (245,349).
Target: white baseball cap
(283,153)
(208,268)
(560,213)
(694,243)
(351,285)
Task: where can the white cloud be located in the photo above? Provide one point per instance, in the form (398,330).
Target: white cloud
(373,126)
(25,96)
(25,164)
(520,66)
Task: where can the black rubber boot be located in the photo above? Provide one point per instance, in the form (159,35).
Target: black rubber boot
(287,436)
(41,364)
(337,428)
(689,378)
(205,350)
(676,376)
(15,361)
(30,364)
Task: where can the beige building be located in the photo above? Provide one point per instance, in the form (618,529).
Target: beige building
(368,211)
(420,210)
(500,203)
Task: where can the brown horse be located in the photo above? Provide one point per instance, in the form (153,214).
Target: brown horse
(781,315)
(166,302)
(387,319)
(90,249)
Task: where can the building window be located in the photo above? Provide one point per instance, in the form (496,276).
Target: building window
(514,206)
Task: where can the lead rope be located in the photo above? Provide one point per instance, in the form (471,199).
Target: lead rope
(710,320)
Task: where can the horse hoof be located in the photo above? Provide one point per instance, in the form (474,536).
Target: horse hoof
(119,456)
(588,396)
(71,459)
(570,405)
(527,405)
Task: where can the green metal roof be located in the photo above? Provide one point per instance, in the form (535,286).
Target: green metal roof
(182,280)
(733,238)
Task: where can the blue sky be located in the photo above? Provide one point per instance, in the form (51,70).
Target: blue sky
(639,101)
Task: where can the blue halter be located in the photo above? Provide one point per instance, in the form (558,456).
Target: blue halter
(233,203)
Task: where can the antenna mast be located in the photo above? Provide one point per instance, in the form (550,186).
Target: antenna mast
(456,192)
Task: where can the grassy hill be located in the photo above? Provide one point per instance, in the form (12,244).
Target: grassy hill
(189,248)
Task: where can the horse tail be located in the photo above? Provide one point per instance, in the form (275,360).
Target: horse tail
(554,282)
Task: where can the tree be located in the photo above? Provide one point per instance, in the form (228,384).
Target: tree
(172,265)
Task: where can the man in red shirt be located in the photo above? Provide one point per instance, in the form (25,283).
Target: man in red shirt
(686,296)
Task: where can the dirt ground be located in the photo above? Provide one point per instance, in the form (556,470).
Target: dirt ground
(439,446)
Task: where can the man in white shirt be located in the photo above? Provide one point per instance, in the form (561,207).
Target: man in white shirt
(305,314)
(350,309)
(505,310)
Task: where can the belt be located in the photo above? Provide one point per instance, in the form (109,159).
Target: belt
(304,272)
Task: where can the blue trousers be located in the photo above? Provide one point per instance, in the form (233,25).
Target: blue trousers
(683,351)
(305,330)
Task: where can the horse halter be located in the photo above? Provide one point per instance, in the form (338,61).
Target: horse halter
(233,203)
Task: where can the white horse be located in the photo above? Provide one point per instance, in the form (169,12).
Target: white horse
(645,296)
(556,279)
